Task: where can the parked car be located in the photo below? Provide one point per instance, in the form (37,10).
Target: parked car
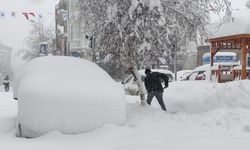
(56,93)
(131,87)
(182,74)
(200,73)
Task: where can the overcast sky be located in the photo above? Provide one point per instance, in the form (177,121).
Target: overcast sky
(14,29)
(239,10)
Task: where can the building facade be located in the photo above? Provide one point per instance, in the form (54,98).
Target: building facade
(201,50)
(61,19)
(71,40)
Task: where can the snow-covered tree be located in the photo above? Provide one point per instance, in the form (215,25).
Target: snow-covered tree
(142,31)
(133,32)
(39,33)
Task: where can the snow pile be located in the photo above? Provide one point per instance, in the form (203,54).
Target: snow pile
(240,27)
(198,103)
(7,112)
(205,96)
(67,94)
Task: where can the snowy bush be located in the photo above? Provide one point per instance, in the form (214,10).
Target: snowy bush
(67,94)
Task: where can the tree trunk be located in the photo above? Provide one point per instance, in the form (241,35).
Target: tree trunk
(139,83)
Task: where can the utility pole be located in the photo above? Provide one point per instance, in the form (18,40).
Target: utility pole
(175,46)
(175,62)
(56,28)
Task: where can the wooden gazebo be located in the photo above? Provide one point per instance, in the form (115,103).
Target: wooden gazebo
(237,42)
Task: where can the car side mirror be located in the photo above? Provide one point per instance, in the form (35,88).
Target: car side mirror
(122,82)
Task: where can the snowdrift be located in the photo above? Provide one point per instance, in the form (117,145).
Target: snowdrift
(197,97)
(66,94)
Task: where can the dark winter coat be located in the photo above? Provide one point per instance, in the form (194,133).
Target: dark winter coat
(6,82)
(153,81)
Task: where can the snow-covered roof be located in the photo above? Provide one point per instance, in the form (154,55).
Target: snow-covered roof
(240,67)
(4,50)
(182,74)
(4,47)
(216,65)
(202,68)
(222,54)
(240,25)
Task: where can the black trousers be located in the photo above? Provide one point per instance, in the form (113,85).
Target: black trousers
(6,86)
(159,97)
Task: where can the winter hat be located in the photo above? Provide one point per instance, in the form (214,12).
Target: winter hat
(147,71)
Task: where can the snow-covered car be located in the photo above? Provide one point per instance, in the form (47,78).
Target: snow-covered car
(67,94)
(200,73)
(131,87)
(182,74)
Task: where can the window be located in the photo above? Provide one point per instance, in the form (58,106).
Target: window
(200,76)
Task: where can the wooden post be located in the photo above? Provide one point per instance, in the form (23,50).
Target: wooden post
(212,51)
(219,74)
(243,60)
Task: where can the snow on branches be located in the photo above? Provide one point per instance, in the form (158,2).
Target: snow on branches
(144,31)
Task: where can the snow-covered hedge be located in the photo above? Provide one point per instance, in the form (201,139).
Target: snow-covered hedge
(67,94)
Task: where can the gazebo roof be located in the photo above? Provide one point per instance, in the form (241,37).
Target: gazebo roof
(4,47)
(238,25)
(231,42)
(236,42)
(230,38)
(233,35)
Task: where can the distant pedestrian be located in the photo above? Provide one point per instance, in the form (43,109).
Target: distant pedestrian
(6,83)
(153,83)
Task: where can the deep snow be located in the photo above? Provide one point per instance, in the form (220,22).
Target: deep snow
(202,115)
(66,94)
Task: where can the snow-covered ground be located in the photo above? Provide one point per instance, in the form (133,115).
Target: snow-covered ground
(202,115)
